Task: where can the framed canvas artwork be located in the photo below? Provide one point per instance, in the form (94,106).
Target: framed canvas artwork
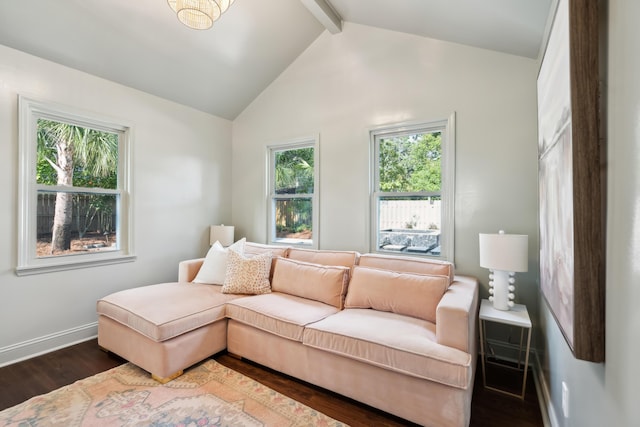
(571,180)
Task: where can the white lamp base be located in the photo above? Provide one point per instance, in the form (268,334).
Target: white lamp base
(501,289)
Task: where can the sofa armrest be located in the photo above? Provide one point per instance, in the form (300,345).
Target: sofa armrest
(457,315)
(188,269)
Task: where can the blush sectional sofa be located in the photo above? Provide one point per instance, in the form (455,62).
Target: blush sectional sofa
(396,333)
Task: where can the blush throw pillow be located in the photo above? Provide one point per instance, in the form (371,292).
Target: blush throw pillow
(214,267)
(247,275)
(324,283)
(410,294)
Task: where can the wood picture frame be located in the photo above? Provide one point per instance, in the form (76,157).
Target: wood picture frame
(571,202)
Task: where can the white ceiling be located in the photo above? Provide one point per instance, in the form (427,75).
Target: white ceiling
(141,44)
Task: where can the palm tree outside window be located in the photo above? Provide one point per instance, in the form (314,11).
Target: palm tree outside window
(74,189)
(293,190)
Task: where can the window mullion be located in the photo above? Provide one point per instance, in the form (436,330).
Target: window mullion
(67,189)
(391,194)
(292,196)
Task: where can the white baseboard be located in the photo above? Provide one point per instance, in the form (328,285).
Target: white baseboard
(46,344)
(549,417)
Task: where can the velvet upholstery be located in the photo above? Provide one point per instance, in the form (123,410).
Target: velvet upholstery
(424,402)
(253,249)
(420,369)
(392,341)
(164,311)
(410,294)
(279,313)
(164,358)
(457,315)
(343,258)
(324,283)
(408,264)
(188,269)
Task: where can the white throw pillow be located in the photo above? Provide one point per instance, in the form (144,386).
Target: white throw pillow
(214,267)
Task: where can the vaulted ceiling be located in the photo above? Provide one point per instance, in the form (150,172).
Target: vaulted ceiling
(141,43)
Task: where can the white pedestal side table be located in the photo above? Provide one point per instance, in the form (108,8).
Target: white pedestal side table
(517,316)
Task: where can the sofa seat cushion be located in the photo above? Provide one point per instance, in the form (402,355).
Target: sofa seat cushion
(392,341)
(279,313)
(166,310)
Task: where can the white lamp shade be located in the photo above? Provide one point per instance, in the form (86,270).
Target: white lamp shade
(506,252)
(223,234)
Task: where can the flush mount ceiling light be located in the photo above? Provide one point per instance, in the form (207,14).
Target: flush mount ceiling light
(199,14)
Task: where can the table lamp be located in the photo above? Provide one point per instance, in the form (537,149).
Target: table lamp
(504,255)
(222,233)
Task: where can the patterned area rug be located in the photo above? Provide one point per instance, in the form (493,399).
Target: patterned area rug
(208,394)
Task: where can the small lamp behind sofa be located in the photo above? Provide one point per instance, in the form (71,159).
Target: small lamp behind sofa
(222,233)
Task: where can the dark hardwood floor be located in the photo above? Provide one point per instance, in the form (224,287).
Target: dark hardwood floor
(21,381)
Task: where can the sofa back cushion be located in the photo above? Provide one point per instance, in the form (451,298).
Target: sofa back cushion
(324,283)
(252,249)
(408,265)
(410,294)
(343,258)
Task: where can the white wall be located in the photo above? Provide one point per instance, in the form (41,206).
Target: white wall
(607,394)
(181,169)
(364,77)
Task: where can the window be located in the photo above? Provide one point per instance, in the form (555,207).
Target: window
(293,185)
(413,189)
(74,208)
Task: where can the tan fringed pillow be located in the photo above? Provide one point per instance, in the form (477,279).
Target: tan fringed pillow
(415,295)
(247,275)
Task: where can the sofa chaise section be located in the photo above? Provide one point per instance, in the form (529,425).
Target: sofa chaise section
(164,328)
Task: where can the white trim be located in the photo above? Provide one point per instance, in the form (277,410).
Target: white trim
(549,417)
(449,188)
(106,258)
(46,344)
(75,190)
(303,142)
(29,111)
(325,14)
(447,194)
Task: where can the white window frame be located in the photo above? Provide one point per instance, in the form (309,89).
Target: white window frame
(29,111)
(447,194)
(307,142)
